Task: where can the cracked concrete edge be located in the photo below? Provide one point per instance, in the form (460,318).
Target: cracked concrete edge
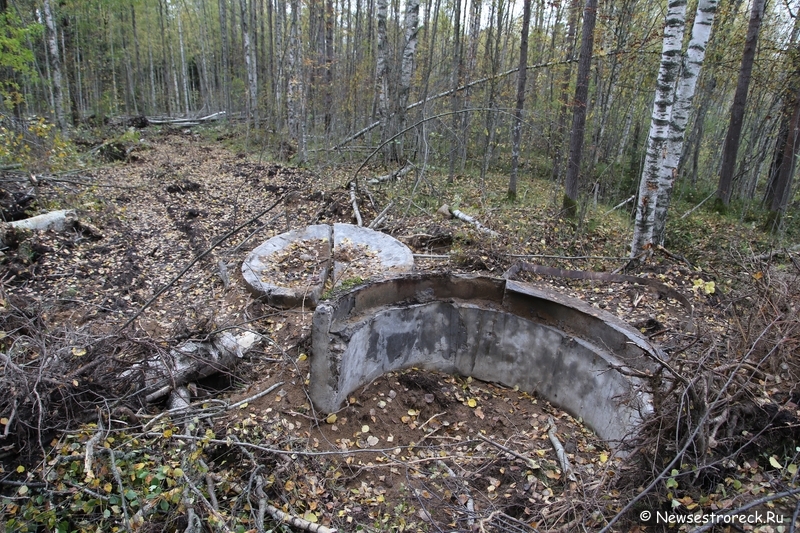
(396,258)
(498,331)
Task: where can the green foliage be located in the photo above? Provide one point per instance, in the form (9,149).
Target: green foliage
(36,146)
(16,59)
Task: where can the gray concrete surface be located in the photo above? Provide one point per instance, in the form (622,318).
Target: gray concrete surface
(492,329)
(394,257)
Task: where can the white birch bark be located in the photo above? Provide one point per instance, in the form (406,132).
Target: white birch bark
(659,125)
(184,71)
(407,65)
(55,61)
(250,65)
(681,110)
(382,68)
(296,89)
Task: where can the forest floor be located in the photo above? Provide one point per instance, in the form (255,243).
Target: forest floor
(83,451)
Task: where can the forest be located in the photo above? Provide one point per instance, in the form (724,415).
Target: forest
(638,158)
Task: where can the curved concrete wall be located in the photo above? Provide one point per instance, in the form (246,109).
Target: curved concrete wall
(492,329)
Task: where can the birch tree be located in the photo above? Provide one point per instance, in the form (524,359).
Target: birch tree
(681,110)
(668,72)
(55,61)
(407,64)
(250,64)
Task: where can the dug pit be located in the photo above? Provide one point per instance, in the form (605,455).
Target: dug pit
(579,358)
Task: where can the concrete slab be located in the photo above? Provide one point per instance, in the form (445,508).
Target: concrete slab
(352,253)
(573,355)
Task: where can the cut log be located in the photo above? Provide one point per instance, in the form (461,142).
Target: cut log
(192,361)
(399,173)
(55,220)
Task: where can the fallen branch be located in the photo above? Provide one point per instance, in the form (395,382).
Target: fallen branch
(527,460)
(354,202)
(619,205)
(773,253)
(560,452)
(296,521)
(460,215)
(381,215)
(470,504)
(391,176)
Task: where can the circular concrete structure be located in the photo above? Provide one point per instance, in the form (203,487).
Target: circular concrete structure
(496,330)
(292,269)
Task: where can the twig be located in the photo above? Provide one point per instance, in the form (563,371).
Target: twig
(773,253)
(118,479)
(354,203)
(560,452)
(527,460)
(10,420)
(460,215)
(254,397)
(692,210)
(754,503)
(219,518)
(470,504)
(296,521)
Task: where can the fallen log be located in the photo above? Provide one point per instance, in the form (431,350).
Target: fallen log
(192,361)
(455,213)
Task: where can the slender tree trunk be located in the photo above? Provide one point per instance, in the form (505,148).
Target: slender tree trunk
(681,109)
(296,107)
(184,72)
(250,66)
(164,65)
(407,66)
(659,125)
(731,147)
(225,67)
(328,100)
(561,122)
(516,132)
(580,102)
(55,62)
(137,76)
(382,73)
(457,77)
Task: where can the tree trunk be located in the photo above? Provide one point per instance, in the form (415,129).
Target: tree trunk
(681,109)
(55,61)
(731,147)
(579,103)
(659,125)
(184,72)
(516,132)
(382,73)
(225,66)
(296,91)
(250,65)
(561,122)
(407,66)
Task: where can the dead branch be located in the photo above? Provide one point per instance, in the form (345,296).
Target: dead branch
(460,215)
(391,176)
(560,452)
(354,203)
(381,215)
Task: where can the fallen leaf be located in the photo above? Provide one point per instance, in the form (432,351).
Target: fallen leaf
(331,418)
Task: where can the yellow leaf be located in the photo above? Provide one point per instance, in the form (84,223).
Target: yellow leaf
(603,457)
(4,421)
(331,418)
(302,357)
(774,462)
(709,287)
(167,433)
(20,469)
(23,490)
(792,469)
(310,517)
(758,275)
(472,402)
(288,486)
(78,352)
(108,487)
(243,405)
